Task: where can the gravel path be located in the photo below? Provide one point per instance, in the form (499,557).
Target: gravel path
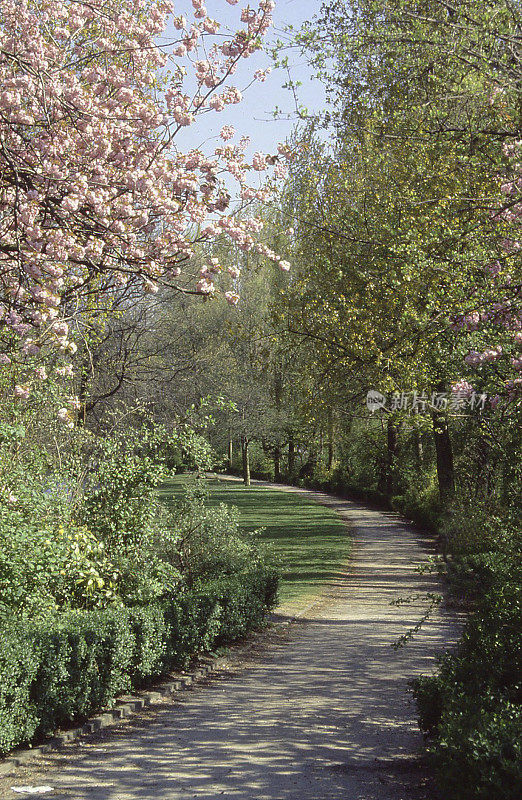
(323,713)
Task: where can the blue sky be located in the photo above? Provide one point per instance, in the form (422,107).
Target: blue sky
(254,115)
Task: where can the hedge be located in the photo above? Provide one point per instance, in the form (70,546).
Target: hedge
(75,664)
(471,710)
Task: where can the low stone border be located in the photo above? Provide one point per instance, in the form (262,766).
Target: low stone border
(125,707)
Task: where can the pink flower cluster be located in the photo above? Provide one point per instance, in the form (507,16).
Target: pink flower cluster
(489,356)
(462,388)
(227,132)
(232,298)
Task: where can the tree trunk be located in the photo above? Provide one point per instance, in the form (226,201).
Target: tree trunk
(246,461)
(291,456)
(391,455)
(277,463)
(417,444)
(230,453)
(331,433)
(444,450)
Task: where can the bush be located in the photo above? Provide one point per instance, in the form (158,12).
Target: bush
(121,505)
(471,527)
(471,709)
(420,503)
(60,671)
(210,542)
(46,565)
(244,600)
(470,576)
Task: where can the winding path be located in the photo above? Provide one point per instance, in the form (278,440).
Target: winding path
(325,715)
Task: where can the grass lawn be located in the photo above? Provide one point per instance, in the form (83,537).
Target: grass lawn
(310,542)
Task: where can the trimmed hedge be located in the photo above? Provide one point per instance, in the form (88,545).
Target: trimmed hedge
(67,668)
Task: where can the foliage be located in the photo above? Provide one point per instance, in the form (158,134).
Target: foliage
(261,464)
(46,566)
(471,708)
(210,543)
(81,525)
(67,667)
(473,527)
(120,504)
(48,558)
(96,599)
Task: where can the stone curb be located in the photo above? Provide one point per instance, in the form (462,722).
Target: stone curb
(123,709)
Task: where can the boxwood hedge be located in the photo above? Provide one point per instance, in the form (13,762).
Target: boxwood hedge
(60,671)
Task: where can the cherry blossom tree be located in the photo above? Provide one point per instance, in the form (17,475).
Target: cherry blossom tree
(94,193)
(493,313)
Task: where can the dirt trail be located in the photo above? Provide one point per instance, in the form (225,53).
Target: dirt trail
(323,716)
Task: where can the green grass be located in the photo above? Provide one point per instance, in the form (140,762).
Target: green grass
(310,542)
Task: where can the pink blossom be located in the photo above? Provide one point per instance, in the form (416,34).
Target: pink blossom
(65,371)
(259,162)
(473,358)
(21,392)
(492,354)
(231,298)
(462,388)
(205,287)
(227,132)
(30,348)
(472,320)
(64,416)
(262,74)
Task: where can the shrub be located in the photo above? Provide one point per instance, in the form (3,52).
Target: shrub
(470,576)
(64,668)
(244,600)
(420,502)
(471,709)
(471,527)
(210,542)
(479,750)
(46,565)
(121,505)
(119,499)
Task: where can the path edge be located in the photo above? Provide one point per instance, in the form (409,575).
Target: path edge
(125,708)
